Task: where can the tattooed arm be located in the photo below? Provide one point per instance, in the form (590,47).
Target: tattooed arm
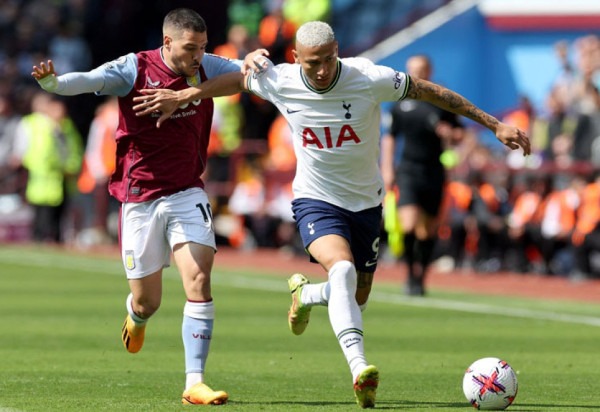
(446,99)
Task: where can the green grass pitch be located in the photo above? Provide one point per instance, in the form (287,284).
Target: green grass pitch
(60,349)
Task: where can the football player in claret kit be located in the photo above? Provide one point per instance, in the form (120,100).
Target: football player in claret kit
(333,108)
(157,179)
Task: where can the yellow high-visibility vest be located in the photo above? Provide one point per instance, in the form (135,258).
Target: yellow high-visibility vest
(53,151)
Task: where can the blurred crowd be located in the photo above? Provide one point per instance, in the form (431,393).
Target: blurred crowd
(539,213)
(56,153)
(502,211)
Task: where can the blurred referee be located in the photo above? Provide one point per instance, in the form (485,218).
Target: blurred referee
(422,129)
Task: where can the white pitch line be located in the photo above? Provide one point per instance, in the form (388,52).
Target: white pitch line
(244,282)
(487,309)
(84,264)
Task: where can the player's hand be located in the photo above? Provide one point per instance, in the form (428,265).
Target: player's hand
(46,76)
(513,138)
(255,62)
(389,179)
(43,70)
(163,101)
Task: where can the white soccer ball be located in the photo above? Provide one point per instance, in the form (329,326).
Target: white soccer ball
(490,384)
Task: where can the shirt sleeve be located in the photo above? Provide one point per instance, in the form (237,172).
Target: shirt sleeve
(215,65)
(388,85)
(113,78)
(119,76)
(264,83)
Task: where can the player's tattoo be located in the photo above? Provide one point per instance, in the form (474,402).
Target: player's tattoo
(414,89)
(447,99)
(365,279)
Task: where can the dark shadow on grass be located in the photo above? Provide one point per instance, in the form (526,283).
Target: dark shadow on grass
(547,407)
(514,408)
(398,405)
(300,403)
(395,405)
(381,405)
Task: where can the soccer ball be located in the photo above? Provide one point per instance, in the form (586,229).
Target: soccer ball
(490,384)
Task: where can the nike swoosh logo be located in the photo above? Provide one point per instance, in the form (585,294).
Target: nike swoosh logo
(293,111)
(369,263)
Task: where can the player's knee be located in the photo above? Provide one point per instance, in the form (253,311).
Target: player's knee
(343,275)
(201,278)
(198,287)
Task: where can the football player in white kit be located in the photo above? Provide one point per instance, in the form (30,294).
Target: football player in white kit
(333,108)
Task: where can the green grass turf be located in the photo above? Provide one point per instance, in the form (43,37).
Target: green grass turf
(60,349)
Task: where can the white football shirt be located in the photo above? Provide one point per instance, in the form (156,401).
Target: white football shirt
(336,130)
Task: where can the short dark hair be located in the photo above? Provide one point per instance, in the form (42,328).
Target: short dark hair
(184,19)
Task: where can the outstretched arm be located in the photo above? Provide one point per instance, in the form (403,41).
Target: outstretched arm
(446,99)
(167,101)
(68,84)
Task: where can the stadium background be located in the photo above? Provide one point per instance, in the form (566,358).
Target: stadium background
(493,52)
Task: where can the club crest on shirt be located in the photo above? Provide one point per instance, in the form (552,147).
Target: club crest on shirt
(347,107)
(129,261)
(193,80)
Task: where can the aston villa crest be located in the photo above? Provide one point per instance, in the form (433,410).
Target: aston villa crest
(193,80)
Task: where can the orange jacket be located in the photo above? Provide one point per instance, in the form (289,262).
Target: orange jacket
(458,195)
(270,27)
(100,154)
(524,210)
(559,213)
(488,194)
(588,214)
(281,150)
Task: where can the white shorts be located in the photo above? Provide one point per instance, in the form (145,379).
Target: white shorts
(150,230)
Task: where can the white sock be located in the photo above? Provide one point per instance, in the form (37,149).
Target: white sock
(136,319)
(193,378)
(345,315)
(318,295)
(315,294)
